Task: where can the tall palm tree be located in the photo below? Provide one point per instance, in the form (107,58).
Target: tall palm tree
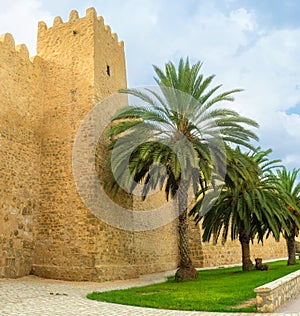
(250,204)
(173,138)
(288,182)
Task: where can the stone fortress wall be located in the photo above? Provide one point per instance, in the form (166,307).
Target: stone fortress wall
(45,229)
(20,138)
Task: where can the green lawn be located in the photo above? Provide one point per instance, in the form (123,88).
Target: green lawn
(216,290)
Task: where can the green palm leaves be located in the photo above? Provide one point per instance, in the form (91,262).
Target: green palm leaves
(251,203)
(287,181)
(177,119)
(174,136)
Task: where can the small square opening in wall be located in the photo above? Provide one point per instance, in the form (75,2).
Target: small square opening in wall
(108,70)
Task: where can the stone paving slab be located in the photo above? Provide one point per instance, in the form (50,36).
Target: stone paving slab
(33,296)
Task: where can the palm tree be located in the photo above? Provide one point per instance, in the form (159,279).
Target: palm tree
(176,134)
(250,204)
(288,182)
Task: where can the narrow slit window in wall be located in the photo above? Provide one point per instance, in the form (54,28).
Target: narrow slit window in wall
(108,70)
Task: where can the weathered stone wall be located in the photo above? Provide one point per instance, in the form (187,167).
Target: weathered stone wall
(231,253)
(271,296)
(20,138)
(156,250)
(45,227)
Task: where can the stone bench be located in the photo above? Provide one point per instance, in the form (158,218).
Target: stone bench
(274,294)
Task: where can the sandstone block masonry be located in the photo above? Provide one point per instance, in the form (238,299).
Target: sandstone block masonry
(45,229)
(270,296)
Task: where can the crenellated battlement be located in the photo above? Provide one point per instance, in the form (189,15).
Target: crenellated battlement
(8,47)
(7,41)
(22,50)
(91,16)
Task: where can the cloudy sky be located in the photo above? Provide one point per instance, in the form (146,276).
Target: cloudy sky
(253,44)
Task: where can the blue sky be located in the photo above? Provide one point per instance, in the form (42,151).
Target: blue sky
(254,45)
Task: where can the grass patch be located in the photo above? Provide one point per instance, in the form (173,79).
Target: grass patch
(218,290)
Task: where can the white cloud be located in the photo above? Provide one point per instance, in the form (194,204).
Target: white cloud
(20,18)
(243,18)
(292,125)
(291,159)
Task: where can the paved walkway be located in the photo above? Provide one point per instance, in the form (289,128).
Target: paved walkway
(33,296)
(292,306)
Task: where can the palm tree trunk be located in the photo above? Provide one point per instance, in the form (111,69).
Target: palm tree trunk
(186,270)
(291,247)
(245,243)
